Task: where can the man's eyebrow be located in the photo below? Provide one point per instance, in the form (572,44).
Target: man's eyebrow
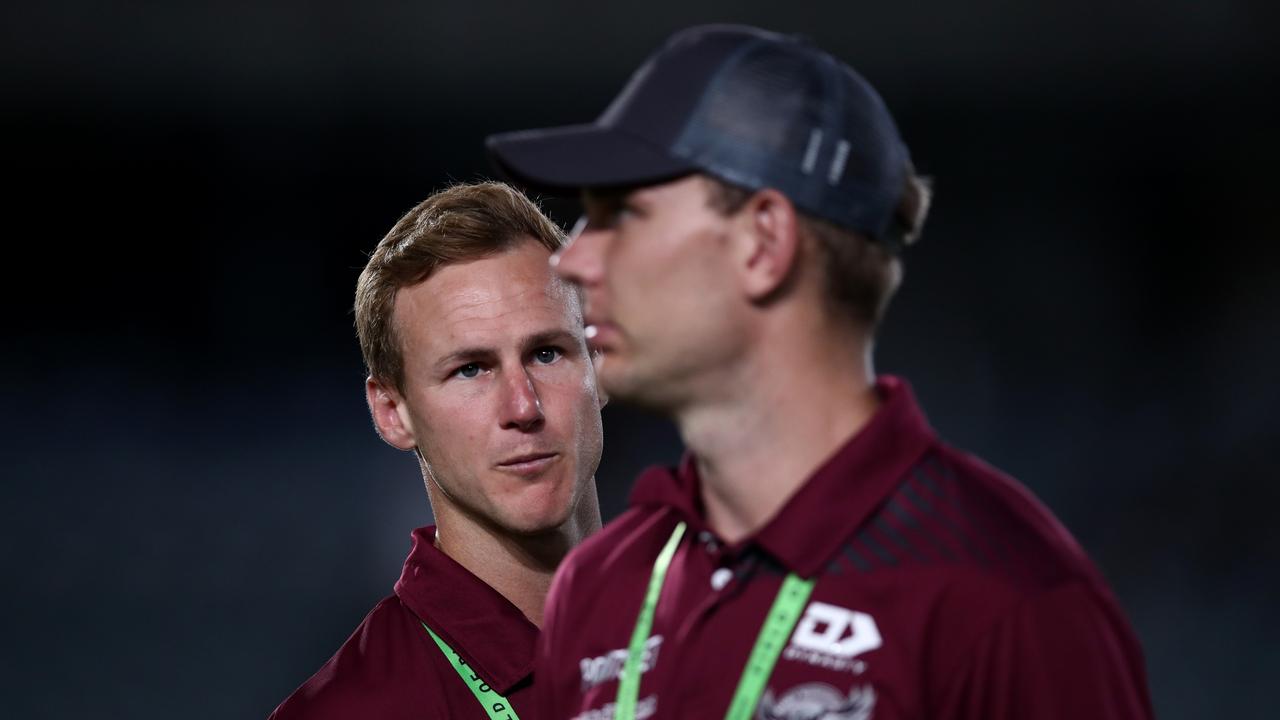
(550,337)
(613,195)
(466,355)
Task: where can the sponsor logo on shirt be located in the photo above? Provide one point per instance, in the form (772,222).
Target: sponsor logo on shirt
(833,637)
(645,708)
(608,667)
(818,701)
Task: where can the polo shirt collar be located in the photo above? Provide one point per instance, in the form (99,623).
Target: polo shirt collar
(490,633)
(836,499)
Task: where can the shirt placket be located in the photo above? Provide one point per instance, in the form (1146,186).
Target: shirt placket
(715,576)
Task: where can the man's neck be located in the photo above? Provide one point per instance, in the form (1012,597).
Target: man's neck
(788,413)
(519,567)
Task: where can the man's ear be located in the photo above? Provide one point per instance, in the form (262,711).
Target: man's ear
(390,415)
(768,242)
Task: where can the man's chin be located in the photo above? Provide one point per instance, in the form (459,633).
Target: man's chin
(625,385)
(536,527)
(535,519)
(615,378)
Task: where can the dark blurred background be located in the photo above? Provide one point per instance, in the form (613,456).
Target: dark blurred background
(197,511)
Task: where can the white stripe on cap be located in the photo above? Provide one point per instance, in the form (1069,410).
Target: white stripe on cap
(837,162)
(811,151)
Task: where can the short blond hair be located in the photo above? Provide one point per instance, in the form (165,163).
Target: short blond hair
(461,223)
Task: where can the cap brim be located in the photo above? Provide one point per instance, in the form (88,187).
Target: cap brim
(566,159)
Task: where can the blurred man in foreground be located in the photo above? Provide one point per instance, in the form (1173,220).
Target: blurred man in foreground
(477,363)
(820,552)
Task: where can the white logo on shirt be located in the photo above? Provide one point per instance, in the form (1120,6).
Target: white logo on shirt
(831,636)
(812,701)
(608,667)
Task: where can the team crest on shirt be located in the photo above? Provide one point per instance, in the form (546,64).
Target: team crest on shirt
(818,701)
(833,637)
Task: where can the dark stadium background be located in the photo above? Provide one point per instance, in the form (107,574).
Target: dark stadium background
(196,510)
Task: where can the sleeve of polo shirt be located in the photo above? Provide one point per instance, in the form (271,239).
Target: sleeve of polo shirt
(1061,654)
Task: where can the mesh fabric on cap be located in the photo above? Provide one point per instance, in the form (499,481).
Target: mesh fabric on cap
(787,116)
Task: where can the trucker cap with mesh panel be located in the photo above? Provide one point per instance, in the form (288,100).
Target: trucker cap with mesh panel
(754,108)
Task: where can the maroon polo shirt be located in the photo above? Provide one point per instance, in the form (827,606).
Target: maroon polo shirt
(391,669)
(943,590)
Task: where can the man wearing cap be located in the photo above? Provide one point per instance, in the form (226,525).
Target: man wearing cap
(819,552)
(478,365)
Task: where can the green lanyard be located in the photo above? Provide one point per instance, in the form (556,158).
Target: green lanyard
(777,627)
(494,704)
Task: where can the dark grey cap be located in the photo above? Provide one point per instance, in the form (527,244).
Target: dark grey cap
(751,107)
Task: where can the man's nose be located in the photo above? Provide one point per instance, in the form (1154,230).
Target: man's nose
(521,407)
(581,261)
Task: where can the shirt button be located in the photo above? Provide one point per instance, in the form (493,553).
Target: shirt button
(720,578)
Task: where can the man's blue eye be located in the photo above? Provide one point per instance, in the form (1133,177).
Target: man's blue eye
(546,356)
(469,370)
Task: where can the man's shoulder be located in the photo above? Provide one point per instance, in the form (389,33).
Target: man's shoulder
(1001,530)
(609,549)
(955,542)
(986,563)
(378,672)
